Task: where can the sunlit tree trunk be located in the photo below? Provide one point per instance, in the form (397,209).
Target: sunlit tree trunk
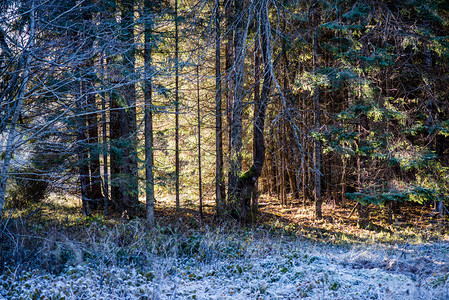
(149,176)
(200,180)
(176,106)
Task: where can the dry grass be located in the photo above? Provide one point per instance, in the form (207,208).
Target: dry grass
(415,224)
(53,251)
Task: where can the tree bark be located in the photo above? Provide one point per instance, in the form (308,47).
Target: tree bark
(219,180)
(105,149)
(248,179)
(317,157)
(257,62)
(149,176)
(82,153)
(177,167)
(128,128)
(229,63)
(116,156)
(237,105)
(95,194)
(115,148)
(200,181)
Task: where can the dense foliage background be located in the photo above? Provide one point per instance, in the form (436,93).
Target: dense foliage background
(302,100)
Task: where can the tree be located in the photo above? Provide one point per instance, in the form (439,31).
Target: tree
(219,180)
(128,126)
(149,176)
(244,185)
(18,87)
(236,109)
(317,155)
(177,166)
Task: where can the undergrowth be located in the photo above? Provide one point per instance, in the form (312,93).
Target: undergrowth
(52,253)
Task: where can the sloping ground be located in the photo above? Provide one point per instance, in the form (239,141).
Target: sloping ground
(257,268)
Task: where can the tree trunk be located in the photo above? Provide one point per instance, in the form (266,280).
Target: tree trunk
(95,194)
(255,200)
(248,179)
(200,181)
(237,106)
(363,209)
(116,156)
(83,164)
(229,63)
(176,105)
(219,180)
(282,169)
(149,176)
(105,151)
(115,148)
(88,92)
(128,128)
(317,157)
(292,182)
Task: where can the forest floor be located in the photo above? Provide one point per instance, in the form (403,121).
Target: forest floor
(51,251)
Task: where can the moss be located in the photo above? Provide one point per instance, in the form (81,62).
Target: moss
(248,174)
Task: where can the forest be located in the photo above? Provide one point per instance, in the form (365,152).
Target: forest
(207,149)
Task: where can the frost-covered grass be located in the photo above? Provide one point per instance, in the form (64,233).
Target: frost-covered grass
(54,252)
(126,261)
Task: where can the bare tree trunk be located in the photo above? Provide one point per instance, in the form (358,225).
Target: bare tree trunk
(83,164)
(116,152)
(129,169)
(116,156)
(317,157)
(343,183)
(219,180)
(283,168)
(235,149)
(363,209)
(292,182)
(255,197)
(95,194)
(176,105)
(200,181)
(105,153)
(229,63)
(304,166)
(149,176)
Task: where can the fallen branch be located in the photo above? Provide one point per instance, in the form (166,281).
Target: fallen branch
(353,210)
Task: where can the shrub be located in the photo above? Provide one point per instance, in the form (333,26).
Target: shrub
(26,187)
